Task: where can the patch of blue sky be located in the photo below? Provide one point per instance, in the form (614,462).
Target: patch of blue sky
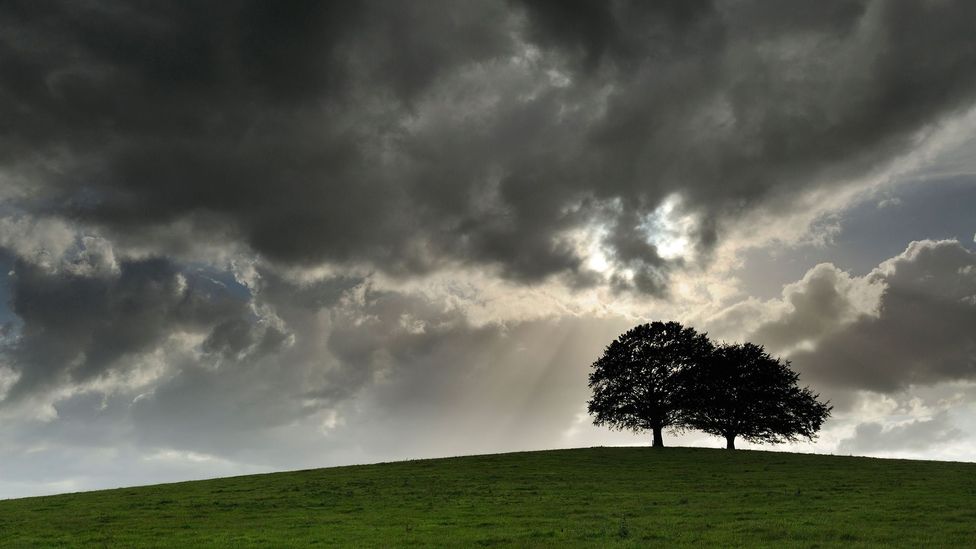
(203,275)
(926,206)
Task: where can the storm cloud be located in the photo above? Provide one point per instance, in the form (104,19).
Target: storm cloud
(75,328)
(413,137)
(909,322)
(925,331)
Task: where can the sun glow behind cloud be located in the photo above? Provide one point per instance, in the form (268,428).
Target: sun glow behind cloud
(669,229)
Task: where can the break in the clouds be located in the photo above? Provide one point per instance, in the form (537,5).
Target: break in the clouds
(240,236)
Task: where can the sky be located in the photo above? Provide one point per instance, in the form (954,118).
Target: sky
(240,237)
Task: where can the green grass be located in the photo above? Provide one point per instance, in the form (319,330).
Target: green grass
(597,497)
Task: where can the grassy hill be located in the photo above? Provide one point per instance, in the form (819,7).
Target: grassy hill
(598,497)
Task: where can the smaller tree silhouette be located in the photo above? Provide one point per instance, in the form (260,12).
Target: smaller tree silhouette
(637,381)
(742,391)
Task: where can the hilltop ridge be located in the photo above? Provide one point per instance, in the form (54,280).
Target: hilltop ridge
(626,497)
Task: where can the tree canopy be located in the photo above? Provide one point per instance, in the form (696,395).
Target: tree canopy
(637,381)
(742,391)
(664,375)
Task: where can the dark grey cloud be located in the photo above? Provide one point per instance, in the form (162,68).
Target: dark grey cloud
(594,33)
(921,434)
(74,328)
(411,137)
(921,332)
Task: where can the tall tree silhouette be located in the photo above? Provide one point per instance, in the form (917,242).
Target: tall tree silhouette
(742,391)
(637,382)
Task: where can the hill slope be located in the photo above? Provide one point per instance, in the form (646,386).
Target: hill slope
(591,497)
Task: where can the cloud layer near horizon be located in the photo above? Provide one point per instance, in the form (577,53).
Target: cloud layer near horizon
(339,371)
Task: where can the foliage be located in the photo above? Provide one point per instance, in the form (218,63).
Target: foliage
(662,375)
(673,497)
(636,383)
(742,391)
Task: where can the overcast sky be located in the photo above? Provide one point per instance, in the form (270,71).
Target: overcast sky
(256,236)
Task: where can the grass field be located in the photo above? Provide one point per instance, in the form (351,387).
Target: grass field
(597,497)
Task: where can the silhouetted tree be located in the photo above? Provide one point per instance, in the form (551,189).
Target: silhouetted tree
(637,382)
(742,391)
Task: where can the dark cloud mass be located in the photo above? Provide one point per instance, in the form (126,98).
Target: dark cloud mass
(925,331)
(76,327)
(410,136)
(910,322)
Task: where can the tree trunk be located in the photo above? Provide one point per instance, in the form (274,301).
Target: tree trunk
(658,439)
(730,442)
